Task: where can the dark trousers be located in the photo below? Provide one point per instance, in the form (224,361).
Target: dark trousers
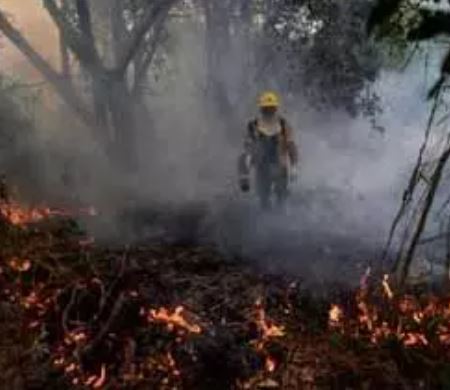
(271,180)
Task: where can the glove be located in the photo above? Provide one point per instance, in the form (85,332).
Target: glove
(293,174)
(244,184)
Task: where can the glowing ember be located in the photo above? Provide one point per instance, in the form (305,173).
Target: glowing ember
(270,364)
(335,316)
(19,265)
(173,319)
(365,317)
(387,287)
(90,380)
(267,327)
(172,364)
(20,215)
(70,368)
(411,339)
(75,337)
(58,362)
(101,380)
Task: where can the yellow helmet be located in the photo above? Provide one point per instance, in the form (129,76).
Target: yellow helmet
(269,99)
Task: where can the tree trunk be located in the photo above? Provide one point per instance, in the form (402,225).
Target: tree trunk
(218,44)
(123,125)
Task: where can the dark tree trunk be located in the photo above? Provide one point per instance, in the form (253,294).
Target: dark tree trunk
(218,44)
(123,124)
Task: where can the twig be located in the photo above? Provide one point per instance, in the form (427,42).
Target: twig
(105,329)
(68,308)
(407,195)
(435,181)
(105,297)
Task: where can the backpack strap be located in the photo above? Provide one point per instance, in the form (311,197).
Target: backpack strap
(251,128)
(283,125)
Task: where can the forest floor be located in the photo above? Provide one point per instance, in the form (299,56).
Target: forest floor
(77,314)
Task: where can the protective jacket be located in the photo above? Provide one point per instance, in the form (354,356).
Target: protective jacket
(268,143)
(269,148)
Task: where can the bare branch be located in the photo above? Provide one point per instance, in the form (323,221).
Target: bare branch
(153,16)
(81,45)
(61,86)
(147,56)
(435,181)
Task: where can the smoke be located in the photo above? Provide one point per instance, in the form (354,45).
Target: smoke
(350,183)
(351,179)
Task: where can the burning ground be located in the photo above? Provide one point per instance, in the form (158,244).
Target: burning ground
(78,314)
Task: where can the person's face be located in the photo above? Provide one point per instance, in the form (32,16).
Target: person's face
(268,112)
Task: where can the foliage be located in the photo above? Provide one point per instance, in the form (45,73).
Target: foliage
(328,56)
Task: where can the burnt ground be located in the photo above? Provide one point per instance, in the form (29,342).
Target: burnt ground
(77,313)
(314,239)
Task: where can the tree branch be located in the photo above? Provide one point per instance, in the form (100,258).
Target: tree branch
(153,15)
(435,181)
(80,44)
(147,57)
(60,85)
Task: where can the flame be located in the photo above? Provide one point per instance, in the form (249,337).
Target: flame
(101,380)
(19,265)
(387,287)
(365,317)
(75,337)
(267,327)
(30,300)
(70,368)
(270,364)
(335,316)
(413,338)
(21,215)
(173,319)
(58,361)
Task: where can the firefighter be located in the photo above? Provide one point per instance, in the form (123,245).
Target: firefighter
(270,151)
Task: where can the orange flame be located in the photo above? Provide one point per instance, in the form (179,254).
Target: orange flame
(270,364)
(173,319)
(19,265)
(20,215)
(387,287)
(335,316)
(268,328)
(101,380)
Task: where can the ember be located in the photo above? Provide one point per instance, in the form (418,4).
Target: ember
(335,316)
(387,287)
(174,319)
(104,330)
(19,215)
(20,265)
(268,328)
